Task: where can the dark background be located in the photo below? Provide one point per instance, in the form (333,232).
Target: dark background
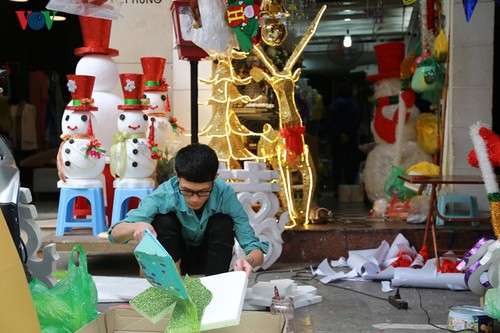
(44,49)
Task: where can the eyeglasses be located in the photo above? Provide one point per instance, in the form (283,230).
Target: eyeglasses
(189,193)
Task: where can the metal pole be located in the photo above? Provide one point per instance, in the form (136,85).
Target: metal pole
(194,101)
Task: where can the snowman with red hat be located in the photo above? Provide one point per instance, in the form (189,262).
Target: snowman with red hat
(133,155)
(97,60)
(80,160)
(394,122)
(162,127)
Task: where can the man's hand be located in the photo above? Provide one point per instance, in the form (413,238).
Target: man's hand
(243,265)
(139,228)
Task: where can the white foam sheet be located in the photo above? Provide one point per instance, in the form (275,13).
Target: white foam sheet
(228,290)
(261,294)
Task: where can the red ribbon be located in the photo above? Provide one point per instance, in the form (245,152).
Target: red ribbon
(294,143)
(423,252)
(94,150)
(402,260)
(155,152)
(448,266)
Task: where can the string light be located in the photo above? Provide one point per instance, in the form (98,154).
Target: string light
(224,128)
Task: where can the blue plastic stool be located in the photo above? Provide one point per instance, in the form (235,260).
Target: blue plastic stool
(65,218)
(465,201)
(121,198)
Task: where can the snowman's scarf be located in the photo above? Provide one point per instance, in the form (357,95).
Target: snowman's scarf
(121,138)
(384,127)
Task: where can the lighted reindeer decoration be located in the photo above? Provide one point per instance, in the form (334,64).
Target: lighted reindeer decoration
(286,150)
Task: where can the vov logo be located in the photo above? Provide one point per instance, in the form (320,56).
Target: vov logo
(35,20)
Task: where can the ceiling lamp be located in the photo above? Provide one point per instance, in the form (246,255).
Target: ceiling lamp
(347,40)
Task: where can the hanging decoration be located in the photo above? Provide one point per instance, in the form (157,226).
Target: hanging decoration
(273,30)
(243,18)
(469,6)
(440,51)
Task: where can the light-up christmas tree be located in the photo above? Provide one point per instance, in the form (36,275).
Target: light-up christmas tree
(225,130)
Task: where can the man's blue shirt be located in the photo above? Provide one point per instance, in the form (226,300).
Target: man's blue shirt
(167,198)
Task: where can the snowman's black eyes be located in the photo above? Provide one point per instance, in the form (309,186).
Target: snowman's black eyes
(144,96)
(145,117)
(84,117)
(163,98)
(67,117)
(122,117)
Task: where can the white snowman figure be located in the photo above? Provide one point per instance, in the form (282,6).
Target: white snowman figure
(81,158)
(97,61)
(133,156)
(394,123)
(162,127)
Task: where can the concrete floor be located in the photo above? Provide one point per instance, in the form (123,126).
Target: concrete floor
(345,307)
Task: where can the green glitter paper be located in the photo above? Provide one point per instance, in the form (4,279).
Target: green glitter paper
(187,314)
(198,293)
(154,304)
(184,319)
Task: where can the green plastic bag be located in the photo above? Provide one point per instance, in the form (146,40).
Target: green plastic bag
(71,303)
(395,185)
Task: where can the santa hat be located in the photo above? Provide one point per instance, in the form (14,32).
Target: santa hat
(133,90)
(95,33)
(80,87)
(389,57)
(153,73)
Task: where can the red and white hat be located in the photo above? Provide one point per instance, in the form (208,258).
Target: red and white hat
(153,68)
(80,87)
(389,57)
(133,90)
(95,33)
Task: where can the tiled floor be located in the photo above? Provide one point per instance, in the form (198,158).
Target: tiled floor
(346,306)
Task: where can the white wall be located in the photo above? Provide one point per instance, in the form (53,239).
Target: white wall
(470,87)
(145,30)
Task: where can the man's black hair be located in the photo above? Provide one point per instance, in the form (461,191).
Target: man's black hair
(197,163)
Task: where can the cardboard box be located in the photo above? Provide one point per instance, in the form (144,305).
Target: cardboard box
(123,320)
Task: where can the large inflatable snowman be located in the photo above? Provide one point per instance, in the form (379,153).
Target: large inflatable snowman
(162,127)
(394,123)
(81,157)
(133,156)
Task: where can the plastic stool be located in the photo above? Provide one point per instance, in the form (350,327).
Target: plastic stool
(122,197)
(65,216)
(468,201)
